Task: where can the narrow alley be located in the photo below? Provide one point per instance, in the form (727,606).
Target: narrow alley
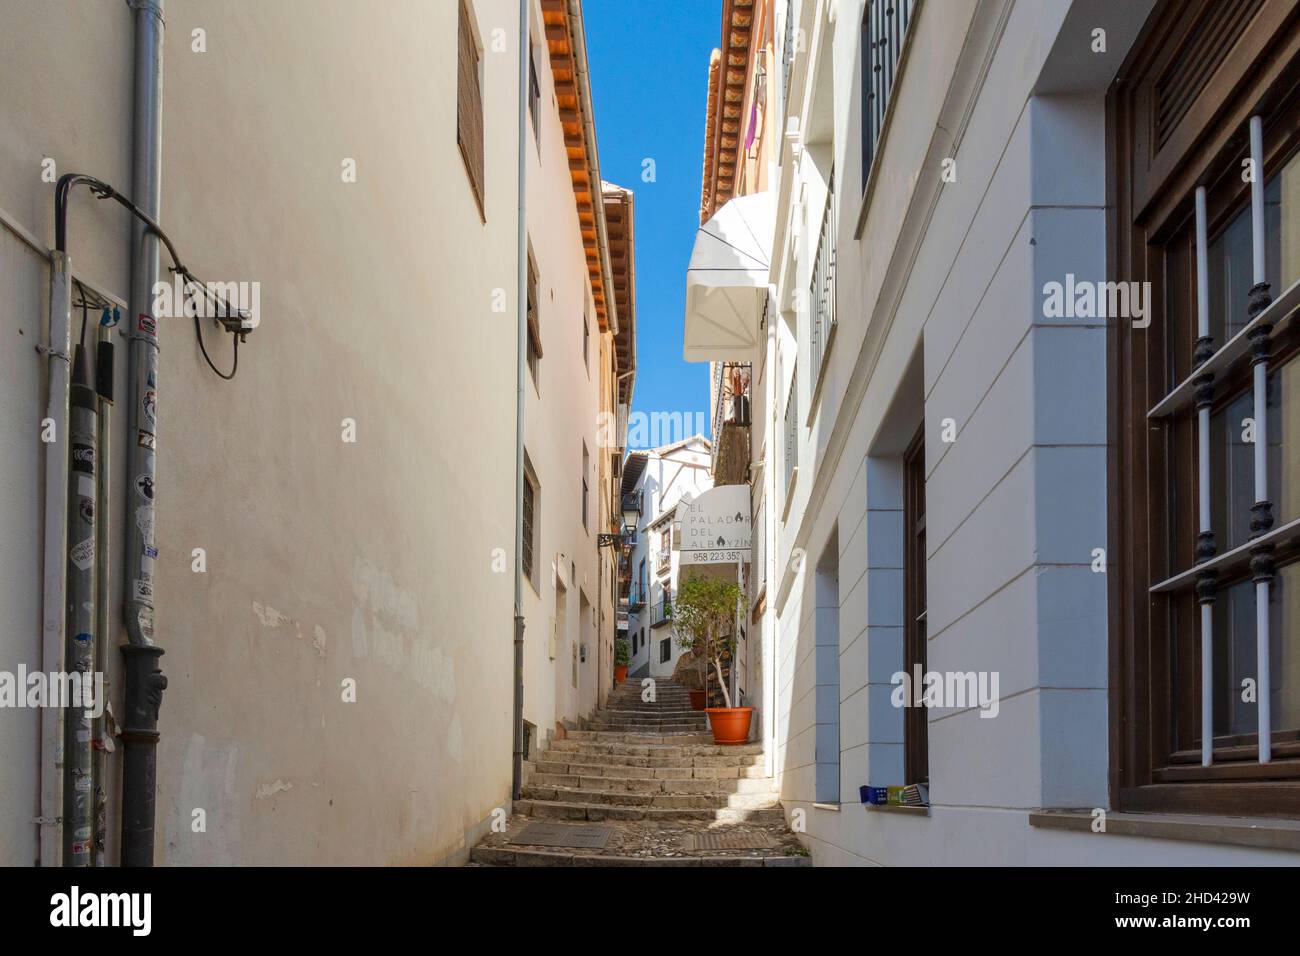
(647,786)
(447,438)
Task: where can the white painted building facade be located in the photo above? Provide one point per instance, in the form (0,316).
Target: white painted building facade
(668,476)
(936,460)
(385,246)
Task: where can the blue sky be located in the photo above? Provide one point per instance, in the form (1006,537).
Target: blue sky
(649,77)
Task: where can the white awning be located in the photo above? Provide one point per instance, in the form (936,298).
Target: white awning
(726,283)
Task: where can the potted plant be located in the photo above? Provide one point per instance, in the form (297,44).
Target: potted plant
(687,674)
(705,618)
(621,657)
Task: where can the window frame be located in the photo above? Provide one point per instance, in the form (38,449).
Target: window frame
(1151,463)
(534,305)
(535,95)
(790,439)
(531,530)
(821,308)
(916,725)
(887,26)
(470,139)
(586,491)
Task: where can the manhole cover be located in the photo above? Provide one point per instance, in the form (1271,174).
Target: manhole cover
(556,834)
(728,841)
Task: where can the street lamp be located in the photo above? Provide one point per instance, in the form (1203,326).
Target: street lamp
(631,516)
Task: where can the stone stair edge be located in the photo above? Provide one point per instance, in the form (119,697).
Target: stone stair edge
(551,858)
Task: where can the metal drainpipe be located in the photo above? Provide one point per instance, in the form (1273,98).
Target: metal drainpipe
(101,739)
(55,576)
(78,649)
(517,761)
(143,677)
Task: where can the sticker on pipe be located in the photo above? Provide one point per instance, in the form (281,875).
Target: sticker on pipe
(144,521)
(83,554)
(83,458)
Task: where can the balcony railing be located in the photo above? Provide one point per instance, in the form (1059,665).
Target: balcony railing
(787,59)
(635,599)
(661,612)
(791,429)
(822,289)
(663,560)
(883,28)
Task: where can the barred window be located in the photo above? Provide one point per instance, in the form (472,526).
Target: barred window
(530,513)
(1204,557)
(916,727)
(792,430)
(884,25)
(821,293)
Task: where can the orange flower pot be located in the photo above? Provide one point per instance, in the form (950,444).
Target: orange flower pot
(697,700)
(620,673)
(730,724)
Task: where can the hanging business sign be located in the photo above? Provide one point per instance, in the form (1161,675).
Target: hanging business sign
(716,526)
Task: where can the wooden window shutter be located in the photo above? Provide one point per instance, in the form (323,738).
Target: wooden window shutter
(534,323)
(469,106)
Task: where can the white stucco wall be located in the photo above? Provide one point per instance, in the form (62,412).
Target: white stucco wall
(939,317)
(562,406)
(388,560)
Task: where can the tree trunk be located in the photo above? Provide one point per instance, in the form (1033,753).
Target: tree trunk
(726,694)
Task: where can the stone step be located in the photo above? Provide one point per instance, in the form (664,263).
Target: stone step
(628,737)
(652,750)
(688,721)
(662,837)
(651,709)
(660,700)
(639,707)
(646,727)
(530,856)
(636,703)
(675,801)
(686,761)
(595,812)
(648,773)
(652,785)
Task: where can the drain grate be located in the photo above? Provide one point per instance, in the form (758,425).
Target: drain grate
(728,841)
(557,834)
